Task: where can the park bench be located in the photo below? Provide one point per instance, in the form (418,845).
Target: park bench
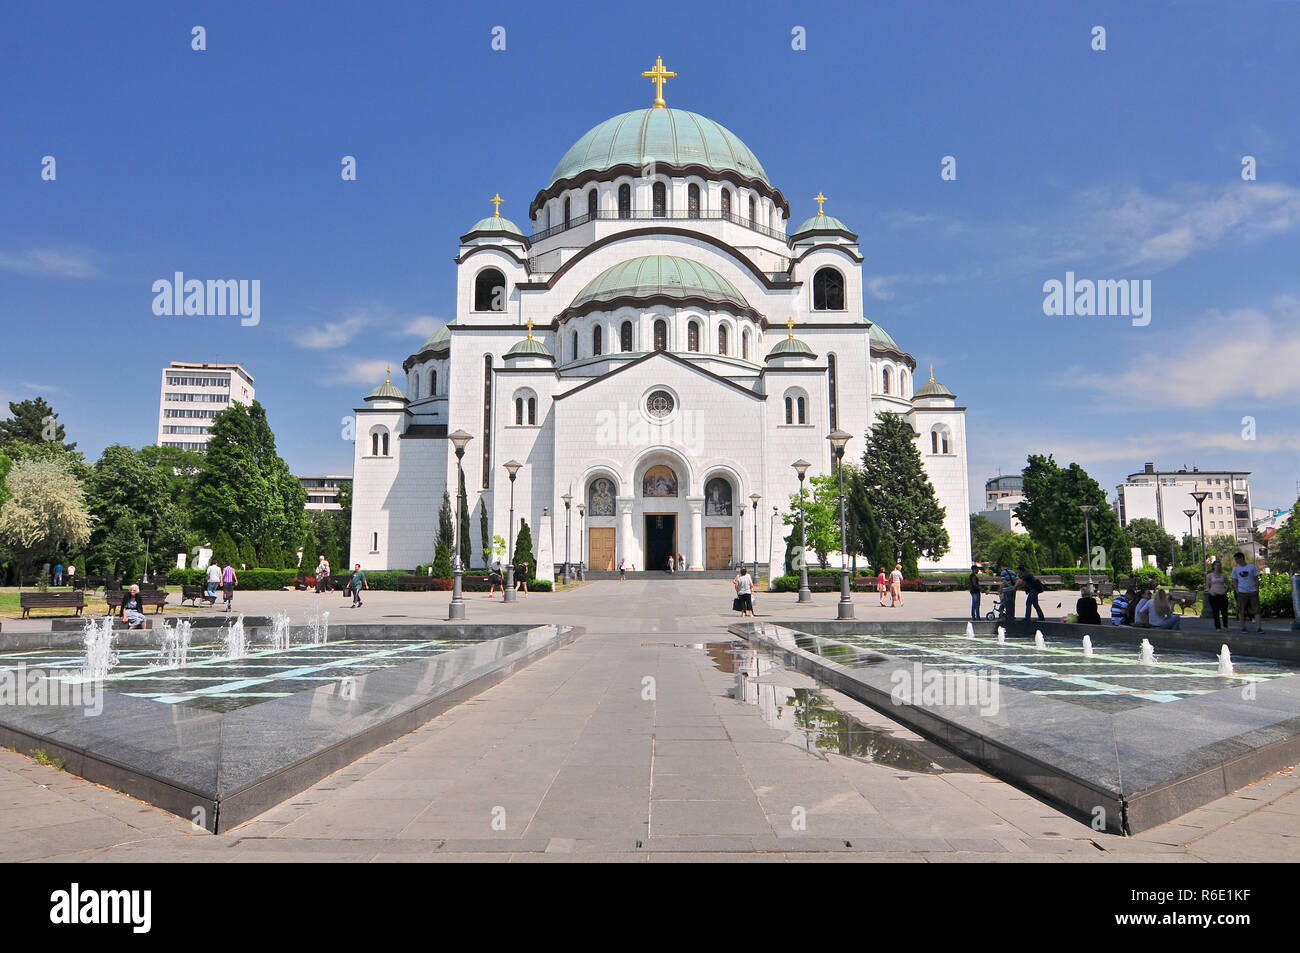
(149,596)
(1050,582)
(51,600)
(940,582)
(192,595)
(1183,598)
(414,581)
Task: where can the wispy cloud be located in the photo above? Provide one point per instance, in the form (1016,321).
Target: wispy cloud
(332,334)
(366,372)
(422,325)
(885,287)
(1244,354)
(42,387)
(47,262)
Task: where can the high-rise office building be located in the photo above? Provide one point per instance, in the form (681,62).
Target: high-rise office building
(192,394)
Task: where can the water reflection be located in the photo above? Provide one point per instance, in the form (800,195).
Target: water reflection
(792,702)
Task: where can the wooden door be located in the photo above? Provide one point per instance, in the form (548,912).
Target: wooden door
(717,547)
(600,548)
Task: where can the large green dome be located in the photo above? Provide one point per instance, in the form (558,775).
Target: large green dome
(659,276)
(671,136)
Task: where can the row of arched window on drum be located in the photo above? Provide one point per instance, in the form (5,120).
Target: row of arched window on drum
(660,336)
(433,385)
(828,290)
(659,204)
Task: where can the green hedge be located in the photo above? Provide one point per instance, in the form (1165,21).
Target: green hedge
(379,579)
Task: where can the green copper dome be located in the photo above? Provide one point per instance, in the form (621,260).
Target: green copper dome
(933,389)
(496,223)
(790,347)
(663,275)
(881,338)
(439,340)
(386,391)
(530,347)
(820,223)
(671,136)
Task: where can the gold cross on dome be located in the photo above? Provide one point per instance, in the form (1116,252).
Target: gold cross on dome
(931,373)
(388,373)
(820,200)
(789,323)
(657,76)
(530,329)
(496,201)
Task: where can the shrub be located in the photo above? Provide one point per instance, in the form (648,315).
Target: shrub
(1188,577)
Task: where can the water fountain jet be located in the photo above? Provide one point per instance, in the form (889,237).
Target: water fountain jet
(1225,661)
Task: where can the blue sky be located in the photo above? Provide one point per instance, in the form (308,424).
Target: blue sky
(1122,164)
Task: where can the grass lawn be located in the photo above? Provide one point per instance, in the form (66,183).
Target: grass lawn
(95,605)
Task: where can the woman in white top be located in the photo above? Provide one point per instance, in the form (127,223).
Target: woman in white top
(1161,614)
(1141,616)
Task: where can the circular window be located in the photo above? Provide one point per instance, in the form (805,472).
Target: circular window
(659,404)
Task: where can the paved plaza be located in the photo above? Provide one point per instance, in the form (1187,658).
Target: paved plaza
(570,760)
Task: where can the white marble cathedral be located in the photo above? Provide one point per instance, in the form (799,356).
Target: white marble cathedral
(660,349)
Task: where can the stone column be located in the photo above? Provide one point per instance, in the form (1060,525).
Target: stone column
(626,542)
(696,503)
(545,568)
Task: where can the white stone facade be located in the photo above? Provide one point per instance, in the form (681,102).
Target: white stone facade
(593,425)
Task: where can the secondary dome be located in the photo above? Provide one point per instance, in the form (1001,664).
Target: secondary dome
(659,276)
(497,224)
(670,136)
(529,348)
(881,338)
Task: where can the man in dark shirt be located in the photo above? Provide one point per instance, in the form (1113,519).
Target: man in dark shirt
(974,588)
(1032,588)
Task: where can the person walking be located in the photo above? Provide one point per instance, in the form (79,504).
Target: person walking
(322,574)
(881,584)
(72,575)
(356,584)
(622,570)
(1245,582)
(744,586)
(1216,591)
(495,580)
(228,582)
(896,585)
(214,580)
(521,576)
(58,574)
(973,586)
(671,563)
(1032,586)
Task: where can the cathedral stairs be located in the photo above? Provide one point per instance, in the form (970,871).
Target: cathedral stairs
(664,575)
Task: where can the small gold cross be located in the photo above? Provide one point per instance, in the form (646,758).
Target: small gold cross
(820,200)
(496,201)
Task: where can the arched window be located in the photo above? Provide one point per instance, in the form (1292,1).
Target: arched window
(625,336)
(717,497)
(595,340)
(753,210)
(828,290)
(575,345)
(660,193)
(661,335)
(625,201)
(374,542)
(414,384)
(722,341)
(726,203)
(591,204)
(796,406)
(887,376)
(744,345)
(379,442)
(692,201)
(940,440)
(693,336)
(902,383)
(566,212)
(525,408)
(490,290)
(833,389)
(433,382)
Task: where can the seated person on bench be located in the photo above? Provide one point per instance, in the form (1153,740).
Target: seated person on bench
(1086,608)
(133,609)
(1161,614)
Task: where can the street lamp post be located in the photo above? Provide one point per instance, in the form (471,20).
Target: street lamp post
(805,594)
(1199,496)
(582,540)
(1087,542)
(147,535)
(512,467)
(838,439)
(456,608)
(1189,513)
(568,501)
(754,498)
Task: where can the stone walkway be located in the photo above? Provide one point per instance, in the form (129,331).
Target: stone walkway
(570,760)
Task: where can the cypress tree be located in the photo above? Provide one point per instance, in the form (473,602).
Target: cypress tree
(524,547)
(910,569)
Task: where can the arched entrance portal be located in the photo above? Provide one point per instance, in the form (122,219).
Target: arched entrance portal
(659,505)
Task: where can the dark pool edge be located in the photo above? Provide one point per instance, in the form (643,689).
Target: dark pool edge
(1126,813)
